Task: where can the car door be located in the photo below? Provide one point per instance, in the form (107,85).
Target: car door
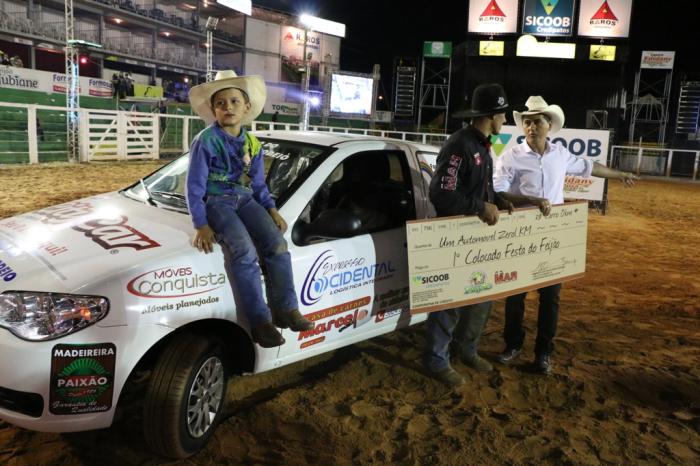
(353,287)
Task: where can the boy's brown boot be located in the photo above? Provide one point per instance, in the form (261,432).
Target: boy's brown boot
(267,335)
(292,320)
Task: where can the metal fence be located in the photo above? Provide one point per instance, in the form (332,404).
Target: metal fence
(37,133)
(435,139)
(656,161)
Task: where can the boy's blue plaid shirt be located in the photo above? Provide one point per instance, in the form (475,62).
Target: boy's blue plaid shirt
(217,167)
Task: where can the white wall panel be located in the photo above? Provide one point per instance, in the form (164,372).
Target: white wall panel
(331,44)
(261,35)
(266,66)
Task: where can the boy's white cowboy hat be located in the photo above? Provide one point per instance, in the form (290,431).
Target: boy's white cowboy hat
(254,86)
(536,105)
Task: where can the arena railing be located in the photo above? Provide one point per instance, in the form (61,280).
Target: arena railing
(31,133)
(424,138)
(666,162)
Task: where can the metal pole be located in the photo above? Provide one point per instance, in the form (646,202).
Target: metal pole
(447,102)
(72,80)
(420,102)
(304,124)
(375,91)
(210,55)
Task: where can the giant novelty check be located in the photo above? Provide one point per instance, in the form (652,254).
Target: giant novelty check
(456,261)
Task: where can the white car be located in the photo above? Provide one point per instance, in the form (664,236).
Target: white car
(96,290)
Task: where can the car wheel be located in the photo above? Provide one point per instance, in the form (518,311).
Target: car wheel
(185,396)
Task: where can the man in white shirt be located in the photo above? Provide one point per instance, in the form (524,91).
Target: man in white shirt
(533,173)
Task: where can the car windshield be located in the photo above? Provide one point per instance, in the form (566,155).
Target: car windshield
(287,165)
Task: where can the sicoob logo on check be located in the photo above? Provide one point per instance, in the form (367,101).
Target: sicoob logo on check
(428,279)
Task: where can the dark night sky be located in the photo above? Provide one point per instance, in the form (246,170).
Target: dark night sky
(379,30)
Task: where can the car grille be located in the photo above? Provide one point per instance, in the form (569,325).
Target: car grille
(31,404)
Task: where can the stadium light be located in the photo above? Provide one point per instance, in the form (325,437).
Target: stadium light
(312,23)
(323,25)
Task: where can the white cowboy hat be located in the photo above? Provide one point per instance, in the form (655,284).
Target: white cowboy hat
(254,86)
(536,105)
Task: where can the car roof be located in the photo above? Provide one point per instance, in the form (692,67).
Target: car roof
(324,138)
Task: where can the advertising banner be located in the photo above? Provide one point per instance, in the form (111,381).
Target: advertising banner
(493,16)
(548,17)
(44,81)
(491,48)
(657,60)
(602,52)
(589,143)
(604,18)
(437,49)
(144,90)
(284,108)
(458,261)
(292,52)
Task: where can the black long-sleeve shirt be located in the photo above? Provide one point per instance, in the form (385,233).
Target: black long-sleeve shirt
(463,178)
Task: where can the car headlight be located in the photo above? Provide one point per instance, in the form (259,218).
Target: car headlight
(38,316)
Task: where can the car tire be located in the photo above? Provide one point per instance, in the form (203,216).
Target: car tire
(185,396)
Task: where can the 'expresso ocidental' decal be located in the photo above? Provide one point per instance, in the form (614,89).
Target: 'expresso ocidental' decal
(330,275)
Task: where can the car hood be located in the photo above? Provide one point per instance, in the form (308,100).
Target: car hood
(69,247)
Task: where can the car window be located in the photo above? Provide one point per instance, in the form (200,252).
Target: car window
(374,186)
(287,165)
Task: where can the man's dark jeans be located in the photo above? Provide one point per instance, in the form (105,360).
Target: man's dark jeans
(547,318)
(463,325)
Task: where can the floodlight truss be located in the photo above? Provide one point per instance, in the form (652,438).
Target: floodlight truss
(212,22)
(72,90)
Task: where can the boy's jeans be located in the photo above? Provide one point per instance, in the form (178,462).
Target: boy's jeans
(243,226)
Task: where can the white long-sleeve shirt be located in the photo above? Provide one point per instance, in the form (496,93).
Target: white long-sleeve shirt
(521,170)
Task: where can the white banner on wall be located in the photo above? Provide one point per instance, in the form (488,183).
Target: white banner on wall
(292,44)
(604,18)
(589,143)
(657,59)
(283,108)
(493,16)
(44,81)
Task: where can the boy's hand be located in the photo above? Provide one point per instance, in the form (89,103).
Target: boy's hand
(204,239)
(277,218)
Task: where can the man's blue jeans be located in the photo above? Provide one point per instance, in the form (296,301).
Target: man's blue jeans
(463,324)
(243,226)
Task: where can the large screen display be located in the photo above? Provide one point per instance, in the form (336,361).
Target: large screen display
(351,94)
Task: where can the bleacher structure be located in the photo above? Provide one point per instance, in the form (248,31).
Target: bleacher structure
(406,87)
(154,40)
(162,32)
(688,117)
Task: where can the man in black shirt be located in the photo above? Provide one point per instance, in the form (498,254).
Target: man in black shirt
(463,185)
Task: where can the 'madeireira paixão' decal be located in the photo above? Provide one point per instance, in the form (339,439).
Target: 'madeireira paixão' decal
(82,378)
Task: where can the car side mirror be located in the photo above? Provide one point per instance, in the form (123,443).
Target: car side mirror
(330,224)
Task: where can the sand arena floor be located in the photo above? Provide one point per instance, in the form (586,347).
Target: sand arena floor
(625,389)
